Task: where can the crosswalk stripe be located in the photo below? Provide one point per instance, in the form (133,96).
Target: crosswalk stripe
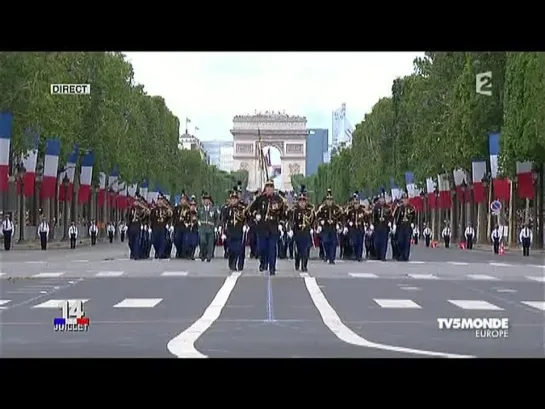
(397,304)
(55,304)
(49,275)
(2,303)
(417,262)
(138,303)
(475,305)
(174,273)
(538,278)
(481,277)
(500,264)
(110,274)
(540,305)
(363,275)
(80,261)
(458,263)
(423,276)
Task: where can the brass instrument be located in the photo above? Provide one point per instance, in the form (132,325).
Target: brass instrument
(308,220)
(239,214)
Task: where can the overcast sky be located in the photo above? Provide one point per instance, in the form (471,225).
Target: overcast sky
(211,88)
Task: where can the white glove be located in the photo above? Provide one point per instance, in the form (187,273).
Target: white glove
(245,228)
(412,225)
(319,229)
(372,227)
(199,223)
(280,227)
(345,230)
(389,224)
(350,223)
(223,237)
(258,217)
(311,232)
(219,228)
(322,222)
(215,229)
(290,234)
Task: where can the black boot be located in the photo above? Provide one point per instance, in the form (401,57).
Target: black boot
(304,268)
(232,263)
(297,263)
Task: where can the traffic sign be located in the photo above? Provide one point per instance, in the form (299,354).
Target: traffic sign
(495,207)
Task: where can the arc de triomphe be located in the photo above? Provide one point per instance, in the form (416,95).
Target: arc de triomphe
(285,132)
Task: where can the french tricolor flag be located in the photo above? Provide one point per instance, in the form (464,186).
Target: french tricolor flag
(525,180)
(478,172)
(29,160)
(101,188)
(445,201)
(501,185)
(113,186)
(413,191)
(131,191)
(461,179)
(86,177)
(6,121)
(51,167)
(69,172)
(396,191)
(430,189)
(122,198)
(144,189)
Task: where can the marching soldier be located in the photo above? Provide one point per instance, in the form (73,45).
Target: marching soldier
(526,238)
(191,235)
(404,216)
(7,231)
(122,231)
(224,210)
(445,234)
(381,217)
(252,232)
(93,232)
(356,218)
(282,241)
(146,239)
(290,240)
(427,234)
(270,209)
(180,229)
(111,232)
(495,237)
(208,223)
(393,241)
(369,242)
(469,235)
(301,220)
(416,234)
(169,240)
(328,215)
(234,229)
(138,215)
(43,233)
(73,234)
(161,216)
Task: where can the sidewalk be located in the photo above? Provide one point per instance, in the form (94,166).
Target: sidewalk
(55,244)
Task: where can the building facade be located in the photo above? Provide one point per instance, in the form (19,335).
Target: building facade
(317,146)
(341,130)
(213,150)
(226,161)
(190,142)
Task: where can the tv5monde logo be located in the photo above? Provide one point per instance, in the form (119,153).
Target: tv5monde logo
(70,89)
(483,83)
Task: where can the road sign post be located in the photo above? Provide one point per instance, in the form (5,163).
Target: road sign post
(495,207)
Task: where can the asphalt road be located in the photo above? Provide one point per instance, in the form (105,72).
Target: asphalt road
(192,309)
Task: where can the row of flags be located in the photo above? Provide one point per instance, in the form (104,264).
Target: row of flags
(117,193)
(469,187)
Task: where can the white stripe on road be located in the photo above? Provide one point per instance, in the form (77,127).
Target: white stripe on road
(35,262)
(138,303)
(500,264)
(481,277)
(475,305)
(540,305)
(345,334)
(536,265)
(183,345)
(458,263)
(174,274)
(417,262)
(2,274)
(398,304)
(55,304)
(423,276)
(2,302)
(80,261)
(363,275)
(49,275)
(538,278)
(110,274)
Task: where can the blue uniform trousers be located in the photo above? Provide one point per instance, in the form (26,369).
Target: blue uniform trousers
(191,239)
(134,241)
(329,241)
(267,250)
(237,251)
(381,242)
(357,238)
(404,234)
(303,244)
(179,232)
(159,241)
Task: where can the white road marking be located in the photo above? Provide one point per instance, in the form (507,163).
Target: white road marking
(55,304)
(535,265)
(372,261)
(363,275)
(2,302)
(110,274)
(540,305)
(398,304)
(35,262)
(123,259)
(138,303)
(345,334)
(2,274)
(183,345)
(538,278)
(505,290)
(49,275)
(410,288)
(303,275)
(500,264)
(423,276)
(475,305)
(417,262)
(80,261)
(174,273)
(458,263)
(481,277)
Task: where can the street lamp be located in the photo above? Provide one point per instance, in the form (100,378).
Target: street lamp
(65,183)
(20,177)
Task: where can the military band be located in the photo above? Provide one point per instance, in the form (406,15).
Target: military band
(329,215)
(301,221)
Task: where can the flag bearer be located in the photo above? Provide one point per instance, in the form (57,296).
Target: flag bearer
(427,234)
(495,237)
(208,223)
(526,239)
(7,231)
(93,231)
(469,235)
(73,234)
(446,234)
(111,231)
(43,232)
(328,215)
(302,219)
